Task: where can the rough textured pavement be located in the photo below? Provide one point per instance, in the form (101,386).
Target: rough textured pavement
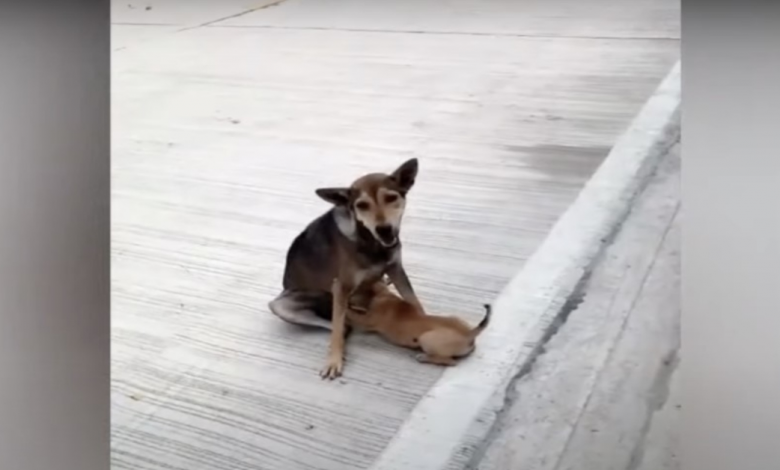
(227,115)
(602,396)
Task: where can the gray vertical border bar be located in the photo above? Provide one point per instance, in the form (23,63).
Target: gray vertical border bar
(54,235)
(731,235)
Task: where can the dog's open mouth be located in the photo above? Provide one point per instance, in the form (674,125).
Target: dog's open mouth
(386,235)
(389,243)
(387,238)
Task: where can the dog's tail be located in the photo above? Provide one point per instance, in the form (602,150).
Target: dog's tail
(483,323)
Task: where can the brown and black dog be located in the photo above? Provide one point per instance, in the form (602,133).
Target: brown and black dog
(443,340)
(352,245)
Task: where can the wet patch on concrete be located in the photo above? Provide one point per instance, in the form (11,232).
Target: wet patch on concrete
(567,161)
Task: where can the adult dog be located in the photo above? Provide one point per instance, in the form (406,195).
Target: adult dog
(351,246)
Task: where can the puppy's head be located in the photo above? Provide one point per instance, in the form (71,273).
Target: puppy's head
(376,201)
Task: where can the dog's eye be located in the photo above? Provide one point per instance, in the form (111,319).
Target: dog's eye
(391,198)
(361,206)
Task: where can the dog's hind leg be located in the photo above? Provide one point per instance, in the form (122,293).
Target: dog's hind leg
(303,308)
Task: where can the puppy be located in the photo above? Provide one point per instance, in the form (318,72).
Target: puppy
(442,339)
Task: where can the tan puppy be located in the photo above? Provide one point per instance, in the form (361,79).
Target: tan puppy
(442,339)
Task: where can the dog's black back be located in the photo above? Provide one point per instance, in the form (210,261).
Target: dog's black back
(311,250)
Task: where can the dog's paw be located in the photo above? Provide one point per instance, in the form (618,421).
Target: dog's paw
(333,368)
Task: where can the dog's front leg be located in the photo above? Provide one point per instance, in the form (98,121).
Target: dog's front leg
(335,362)
(400,280)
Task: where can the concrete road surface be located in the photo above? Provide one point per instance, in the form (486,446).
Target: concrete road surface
(227,115)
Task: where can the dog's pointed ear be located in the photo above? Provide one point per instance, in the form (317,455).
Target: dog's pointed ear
(335,196)
(405,174)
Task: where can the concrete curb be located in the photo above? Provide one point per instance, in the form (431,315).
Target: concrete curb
(450,424)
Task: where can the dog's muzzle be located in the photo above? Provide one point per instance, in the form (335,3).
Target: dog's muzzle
(387,235)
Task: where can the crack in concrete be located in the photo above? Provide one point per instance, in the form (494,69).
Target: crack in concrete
(454,33)
(235,15)
(202,25)
(657,399)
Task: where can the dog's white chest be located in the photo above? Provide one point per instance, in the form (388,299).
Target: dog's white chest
(363,275)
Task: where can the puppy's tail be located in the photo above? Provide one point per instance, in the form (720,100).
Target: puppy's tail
(483,323)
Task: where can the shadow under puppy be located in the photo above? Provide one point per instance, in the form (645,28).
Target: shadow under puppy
(442,339)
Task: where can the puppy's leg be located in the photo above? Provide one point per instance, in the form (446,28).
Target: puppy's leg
(438,360)
(359,302)
(303,308)
(335,364)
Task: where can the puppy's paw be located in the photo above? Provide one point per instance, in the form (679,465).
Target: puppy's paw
(333,368)
(359,309)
